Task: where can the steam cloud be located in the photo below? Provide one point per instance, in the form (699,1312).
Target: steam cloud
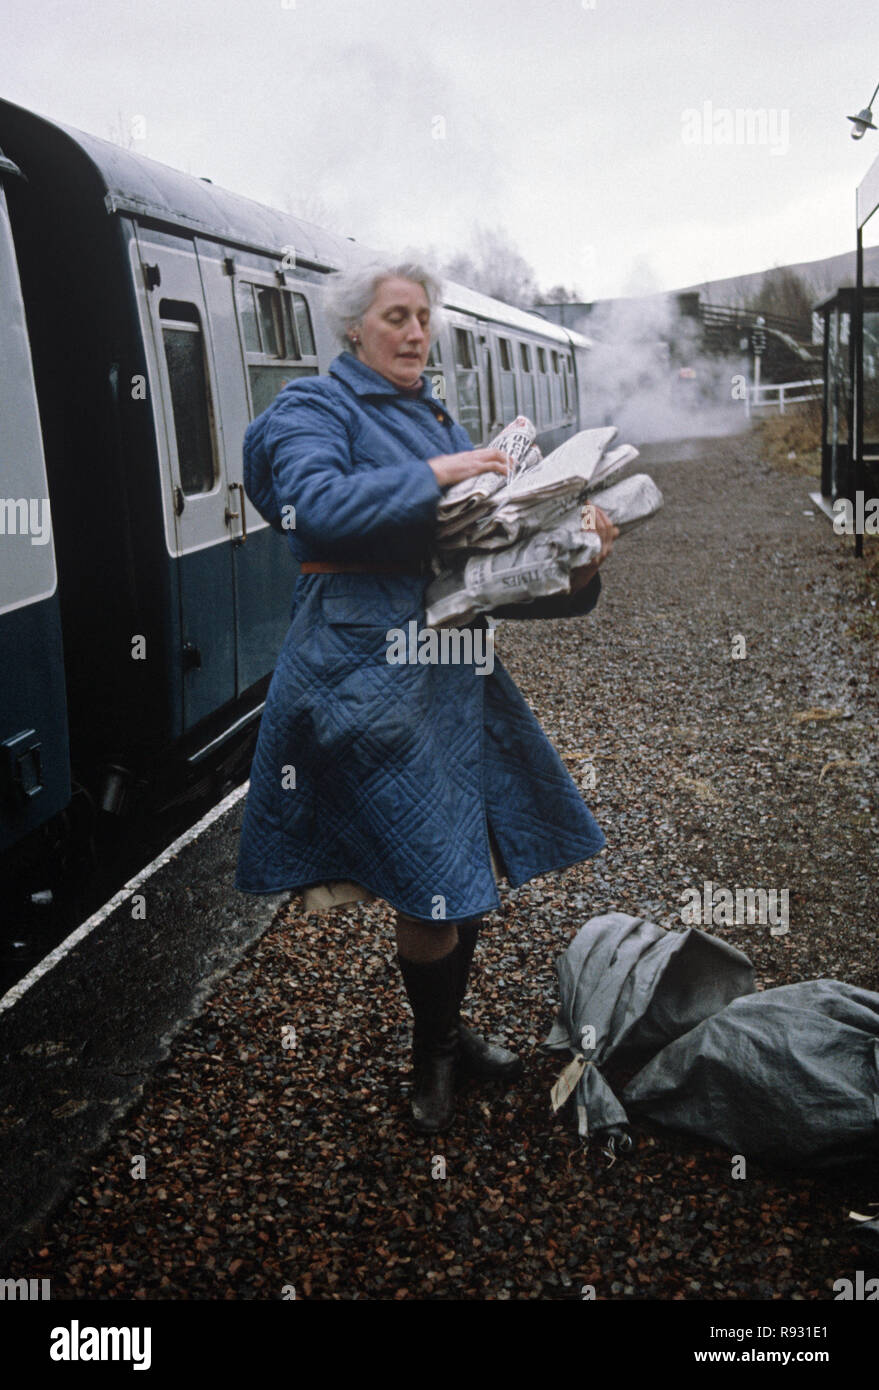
(634,379)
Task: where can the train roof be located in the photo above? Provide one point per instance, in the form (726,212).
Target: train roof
(146,188)
(483,306)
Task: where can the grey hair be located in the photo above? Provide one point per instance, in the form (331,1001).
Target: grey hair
(350,293)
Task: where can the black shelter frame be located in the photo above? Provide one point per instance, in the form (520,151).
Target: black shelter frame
(866,204)
(849,434)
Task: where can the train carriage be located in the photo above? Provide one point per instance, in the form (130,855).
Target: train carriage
(164,313)
(34,771)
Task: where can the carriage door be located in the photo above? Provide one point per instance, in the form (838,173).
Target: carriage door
(189,434)
(468,384)
(490,381)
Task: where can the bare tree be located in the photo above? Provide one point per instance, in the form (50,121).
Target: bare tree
(311,207)
(119,134)
(495,267)
(784,292)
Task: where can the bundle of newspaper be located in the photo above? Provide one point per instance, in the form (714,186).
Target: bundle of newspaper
(511,539)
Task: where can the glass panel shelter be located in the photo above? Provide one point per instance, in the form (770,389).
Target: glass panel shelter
(840,318)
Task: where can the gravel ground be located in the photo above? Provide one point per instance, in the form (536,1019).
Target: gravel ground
(274,1160)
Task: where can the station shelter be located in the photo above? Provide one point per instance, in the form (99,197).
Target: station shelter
(850,425)
(840,317)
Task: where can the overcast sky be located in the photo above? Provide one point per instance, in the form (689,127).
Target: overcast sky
(587,129)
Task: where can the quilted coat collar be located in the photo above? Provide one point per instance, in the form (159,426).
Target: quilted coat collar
(366,382)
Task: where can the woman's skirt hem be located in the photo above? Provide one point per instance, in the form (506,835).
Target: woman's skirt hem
(329,894)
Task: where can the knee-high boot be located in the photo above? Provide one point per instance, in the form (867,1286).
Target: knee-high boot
(476,1056)
(432,987)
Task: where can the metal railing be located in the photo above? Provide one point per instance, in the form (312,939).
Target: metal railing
(724,316)
(769,395)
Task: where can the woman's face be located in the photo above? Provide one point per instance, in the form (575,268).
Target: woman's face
(394,332)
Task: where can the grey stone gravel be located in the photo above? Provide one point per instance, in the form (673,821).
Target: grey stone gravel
(268,1167)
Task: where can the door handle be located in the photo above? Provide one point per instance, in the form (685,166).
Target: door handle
(230,515)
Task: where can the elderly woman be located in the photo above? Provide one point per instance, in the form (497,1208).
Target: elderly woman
(419,784)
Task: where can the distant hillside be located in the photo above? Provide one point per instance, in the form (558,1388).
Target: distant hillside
(824,277)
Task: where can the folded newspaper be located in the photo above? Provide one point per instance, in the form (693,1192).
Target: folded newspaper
(512,539)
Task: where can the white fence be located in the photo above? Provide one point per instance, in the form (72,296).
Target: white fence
(771,396)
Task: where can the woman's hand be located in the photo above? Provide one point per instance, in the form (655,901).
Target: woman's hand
(607,534)
(452,468)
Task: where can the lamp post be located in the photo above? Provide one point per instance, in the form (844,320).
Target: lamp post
(861,123)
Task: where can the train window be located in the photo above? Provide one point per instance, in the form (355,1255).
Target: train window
(437,373)
(291,347)
(190,400)
(303,326)
(568,384)
(509,394)
(545,398)
(247,313)
(553,386)
(529,398)
(283,348)
(270,322)
(490,382)
(464,353)
(266,382)
(467,379)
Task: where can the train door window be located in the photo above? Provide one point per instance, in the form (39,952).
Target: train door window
(437,374)
(489,381)
(545,400)
(247,314)
(563,382)
(555,385)
(190,397)
(270,322)
(509,395)
(278,340)
(569,384)
(290,346)
(303,326)
(467,380)
(529,404)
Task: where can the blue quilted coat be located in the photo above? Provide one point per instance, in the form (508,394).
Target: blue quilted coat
(385,774)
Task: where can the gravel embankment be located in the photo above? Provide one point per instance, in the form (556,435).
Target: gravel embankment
(268,1166)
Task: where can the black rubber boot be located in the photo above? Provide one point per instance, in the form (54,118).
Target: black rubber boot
(476,1056)
(432,987)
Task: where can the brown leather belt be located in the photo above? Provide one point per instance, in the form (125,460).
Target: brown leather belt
(330,567)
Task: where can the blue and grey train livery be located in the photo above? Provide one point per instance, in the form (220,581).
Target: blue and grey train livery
(147,317)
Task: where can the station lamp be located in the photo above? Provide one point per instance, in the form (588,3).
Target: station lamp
(863,121)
